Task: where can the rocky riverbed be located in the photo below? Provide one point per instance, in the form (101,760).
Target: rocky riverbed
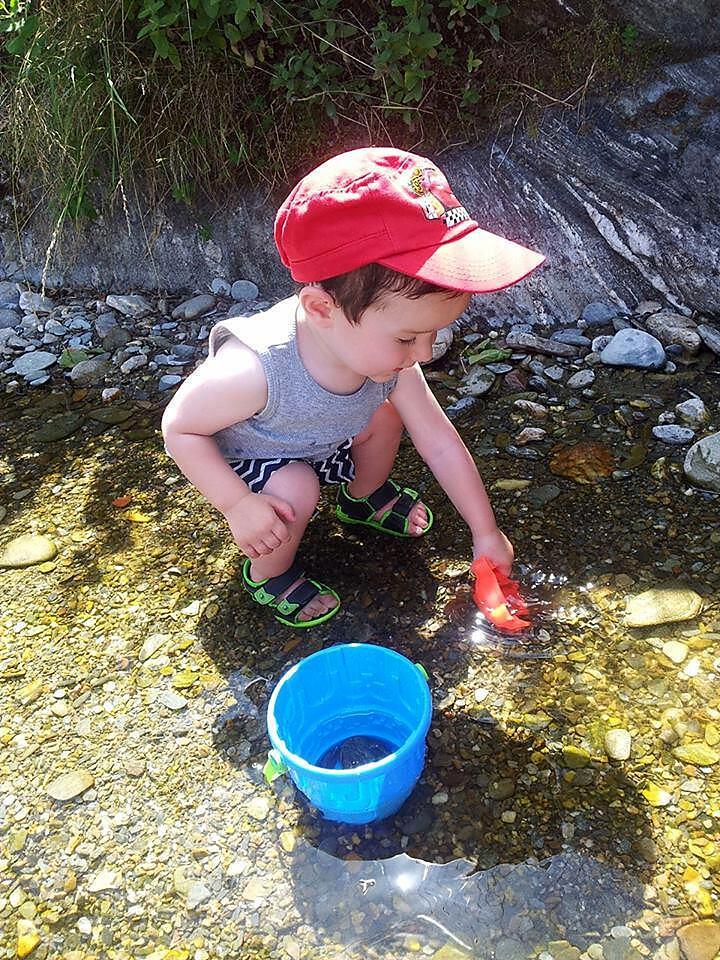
(570,804)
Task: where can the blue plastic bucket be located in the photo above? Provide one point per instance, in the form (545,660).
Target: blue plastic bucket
(355,690)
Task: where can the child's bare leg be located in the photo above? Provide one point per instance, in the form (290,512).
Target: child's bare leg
(298,484)
(373,452)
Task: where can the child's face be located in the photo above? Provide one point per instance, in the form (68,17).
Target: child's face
(395,333)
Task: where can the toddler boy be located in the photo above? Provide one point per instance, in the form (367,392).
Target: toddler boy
(317,389)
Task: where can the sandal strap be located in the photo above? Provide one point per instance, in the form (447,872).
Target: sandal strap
(378,498)
(267,591)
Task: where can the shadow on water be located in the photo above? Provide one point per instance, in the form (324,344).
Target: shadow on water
(504,845)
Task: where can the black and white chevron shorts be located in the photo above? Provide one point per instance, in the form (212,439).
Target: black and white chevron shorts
(338,468)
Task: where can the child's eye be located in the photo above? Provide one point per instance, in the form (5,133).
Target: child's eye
(408,342)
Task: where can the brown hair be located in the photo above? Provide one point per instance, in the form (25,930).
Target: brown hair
(359,289)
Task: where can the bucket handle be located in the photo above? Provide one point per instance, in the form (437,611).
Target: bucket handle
(423,671)
(274,766)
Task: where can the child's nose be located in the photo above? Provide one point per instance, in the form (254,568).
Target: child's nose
(423,349)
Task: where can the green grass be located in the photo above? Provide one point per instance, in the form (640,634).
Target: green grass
(89,110)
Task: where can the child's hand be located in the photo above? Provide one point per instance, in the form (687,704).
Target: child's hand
(258,523)
(494,545)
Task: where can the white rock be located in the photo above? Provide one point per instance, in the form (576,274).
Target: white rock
(35,303)
(702,463)
(618,743)
(581,379)
(674,435)
(134,363)
(693,412)
(129,305)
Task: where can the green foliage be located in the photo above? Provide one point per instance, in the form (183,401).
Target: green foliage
(629,38)
(195,94)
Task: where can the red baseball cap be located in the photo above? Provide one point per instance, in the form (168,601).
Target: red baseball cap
(387,206)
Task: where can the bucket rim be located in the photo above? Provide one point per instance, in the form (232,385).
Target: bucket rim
(367,769)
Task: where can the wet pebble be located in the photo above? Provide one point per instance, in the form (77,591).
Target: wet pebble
(618,743)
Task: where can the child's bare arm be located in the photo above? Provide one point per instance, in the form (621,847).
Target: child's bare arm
(441,447)
(225,389)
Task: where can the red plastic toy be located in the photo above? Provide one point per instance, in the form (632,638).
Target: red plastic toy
(498,597)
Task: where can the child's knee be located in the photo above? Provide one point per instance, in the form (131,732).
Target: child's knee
(298,484)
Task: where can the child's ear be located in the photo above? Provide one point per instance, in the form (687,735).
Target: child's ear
(317,305)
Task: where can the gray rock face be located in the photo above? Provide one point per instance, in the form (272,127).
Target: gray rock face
(623,199)
(684,24)
(634,348)
(702,463)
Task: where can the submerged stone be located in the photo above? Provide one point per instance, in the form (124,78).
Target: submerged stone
(618,744)
(70,785)
(698,753)
(699,941)
(702,463)
(668,604)
(26,551)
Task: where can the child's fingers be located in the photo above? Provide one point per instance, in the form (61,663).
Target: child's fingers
(281,532)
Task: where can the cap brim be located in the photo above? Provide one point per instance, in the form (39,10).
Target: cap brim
(478,262)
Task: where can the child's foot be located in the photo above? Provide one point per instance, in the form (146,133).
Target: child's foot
(417,518)
(296,600)
(391,509)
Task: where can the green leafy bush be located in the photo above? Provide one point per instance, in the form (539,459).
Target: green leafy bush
(194,94)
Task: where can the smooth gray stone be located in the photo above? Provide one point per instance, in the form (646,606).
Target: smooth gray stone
(634,348)
(244,290)
(581,379)
(30,363)
(573,337)
(477,382)
(528,341)
(9,318)
(129,305)
(168,381)
(89,371)
(194,308)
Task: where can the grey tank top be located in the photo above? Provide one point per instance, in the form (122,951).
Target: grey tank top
(301,419)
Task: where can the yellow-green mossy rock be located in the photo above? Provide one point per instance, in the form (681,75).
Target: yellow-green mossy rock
(662,605)
(575,757)
(699,754)
(27,938)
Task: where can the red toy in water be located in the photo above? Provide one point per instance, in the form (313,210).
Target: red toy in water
(498,597)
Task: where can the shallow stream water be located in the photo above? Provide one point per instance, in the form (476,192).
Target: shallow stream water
(134,660)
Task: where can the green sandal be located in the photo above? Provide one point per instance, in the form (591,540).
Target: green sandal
(394,521)
(266,592)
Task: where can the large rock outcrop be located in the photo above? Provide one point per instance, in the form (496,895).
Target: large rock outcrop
(624,198)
